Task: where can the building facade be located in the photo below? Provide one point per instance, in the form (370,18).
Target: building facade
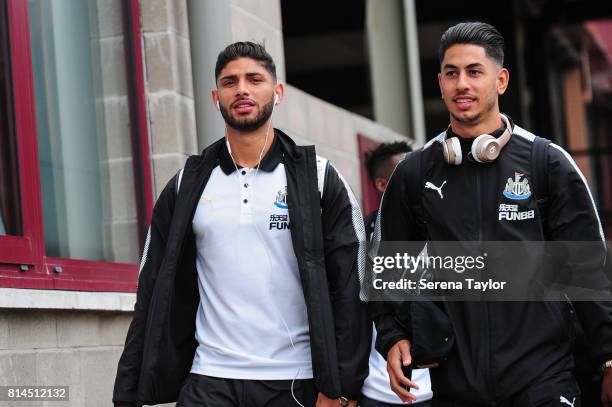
(102,101)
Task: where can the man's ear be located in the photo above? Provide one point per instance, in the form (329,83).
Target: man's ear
(279,91)
(380,184)
(503,78)
(214,96)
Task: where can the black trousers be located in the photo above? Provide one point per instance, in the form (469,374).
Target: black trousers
(560,390)
(206,391)
(367,402)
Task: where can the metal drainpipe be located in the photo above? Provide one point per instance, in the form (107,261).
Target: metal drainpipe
(209,32)
(414,73)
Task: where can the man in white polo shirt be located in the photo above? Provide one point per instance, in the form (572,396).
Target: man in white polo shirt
(249,291)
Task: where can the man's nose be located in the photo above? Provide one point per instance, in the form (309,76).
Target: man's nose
(242,89)
(462,81)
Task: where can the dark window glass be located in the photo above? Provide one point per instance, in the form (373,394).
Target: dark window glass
(10,217)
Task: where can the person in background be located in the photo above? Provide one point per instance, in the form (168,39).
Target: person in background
(380,163)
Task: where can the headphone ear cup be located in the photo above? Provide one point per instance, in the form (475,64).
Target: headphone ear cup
(451,149)
(485,148)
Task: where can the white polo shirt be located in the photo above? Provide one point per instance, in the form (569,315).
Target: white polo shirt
(251,322)
(377,386)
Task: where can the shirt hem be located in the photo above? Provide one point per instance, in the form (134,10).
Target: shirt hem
(285,374)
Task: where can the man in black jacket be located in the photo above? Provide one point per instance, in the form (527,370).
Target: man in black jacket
(248,292)
(461,187)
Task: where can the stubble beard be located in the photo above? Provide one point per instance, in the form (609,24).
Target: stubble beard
(248,125)
(478,116)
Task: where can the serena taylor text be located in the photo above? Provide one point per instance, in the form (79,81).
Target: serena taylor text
(423,284)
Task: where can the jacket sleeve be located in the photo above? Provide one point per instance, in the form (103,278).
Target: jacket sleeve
(574,223)
(345,251)
(128,370)
(396,223)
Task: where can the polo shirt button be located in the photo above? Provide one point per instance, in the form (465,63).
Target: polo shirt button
(243,172)
(246,201)
(246,185)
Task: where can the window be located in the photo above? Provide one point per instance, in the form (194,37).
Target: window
(84,149)
(326,56)
(82,171)
(10,219)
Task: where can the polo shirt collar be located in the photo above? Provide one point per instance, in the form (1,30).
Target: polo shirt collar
(269,161)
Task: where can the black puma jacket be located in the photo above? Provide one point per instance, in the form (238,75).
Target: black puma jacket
(500,347)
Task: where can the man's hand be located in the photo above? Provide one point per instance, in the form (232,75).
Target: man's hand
(606,388)
(324,401)
(398,357)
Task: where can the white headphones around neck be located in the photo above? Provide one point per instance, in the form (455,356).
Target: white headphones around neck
(275,101)
(485,148)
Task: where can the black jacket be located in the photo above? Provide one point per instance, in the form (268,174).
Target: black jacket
(328,240)
(500,347)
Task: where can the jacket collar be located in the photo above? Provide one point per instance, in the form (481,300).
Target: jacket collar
(273,157)
(466,143)
(284,148)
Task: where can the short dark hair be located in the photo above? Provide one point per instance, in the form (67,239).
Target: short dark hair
(375,159)
(477,33)
(245,49)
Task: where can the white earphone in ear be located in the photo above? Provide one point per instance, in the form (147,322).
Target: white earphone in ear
(485,148)
(218,105)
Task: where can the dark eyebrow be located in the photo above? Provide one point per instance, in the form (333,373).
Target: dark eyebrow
(254,74)
(234,77)
(228,77)
(474,65)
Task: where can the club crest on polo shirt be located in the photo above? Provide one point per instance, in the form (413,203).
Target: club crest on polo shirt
(517,188)
(280,221)
(281,199)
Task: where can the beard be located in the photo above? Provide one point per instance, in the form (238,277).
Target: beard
(478,116)
(247,125)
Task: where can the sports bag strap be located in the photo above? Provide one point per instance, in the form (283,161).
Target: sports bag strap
(539,175)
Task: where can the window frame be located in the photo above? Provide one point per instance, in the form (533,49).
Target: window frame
(23,263)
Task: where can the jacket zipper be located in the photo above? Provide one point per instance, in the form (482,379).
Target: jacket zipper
(490,382)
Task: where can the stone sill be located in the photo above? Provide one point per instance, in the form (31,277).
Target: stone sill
(22,298)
